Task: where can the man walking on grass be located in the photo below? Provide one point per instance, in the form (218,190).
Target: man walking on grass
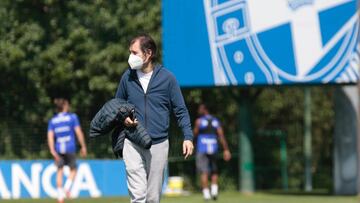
(155,93)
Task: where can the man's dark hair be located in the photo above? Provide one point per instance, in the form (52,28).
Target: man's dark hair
(203,105)
(146,43)
(60,103)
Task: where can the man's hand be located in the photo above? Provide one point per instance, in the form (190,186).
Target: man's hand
(188,148)
(227,155)
(130,123)
(55,155)
(83,152)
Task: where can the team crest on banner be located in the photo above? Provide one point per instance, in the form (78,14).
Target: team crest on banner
(283,41)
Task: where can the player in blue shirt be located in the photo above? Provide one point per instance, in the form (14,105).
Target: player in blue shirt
(62,129)
(208,131)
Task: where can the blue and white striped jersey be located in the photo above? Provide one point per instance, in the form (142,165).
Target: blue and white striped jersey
(63,125)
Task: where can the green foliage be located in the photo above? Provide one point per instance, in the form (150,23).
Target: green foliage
(79,49)
(275,108)
(76,49)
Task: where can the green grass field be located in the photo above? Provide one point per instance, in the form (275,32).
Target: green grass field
(225,197)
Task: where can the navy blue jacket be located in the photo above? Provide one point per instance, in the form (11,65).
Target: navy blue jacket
(153,107)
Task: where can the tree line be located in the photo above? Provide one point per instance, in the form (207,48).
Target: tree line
(79,49)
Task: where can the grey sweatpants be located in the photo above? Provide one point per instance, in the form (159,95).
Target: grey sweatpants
(145,171)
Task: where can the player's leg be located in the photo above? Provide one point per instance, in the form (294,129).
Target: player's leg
(214,186)
(59,180)
(214,177)
(156,169)
(205,185)
(70,160)
(135,172)
(202,165)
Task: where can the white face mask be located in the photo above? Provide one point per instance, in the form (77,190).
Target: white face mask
(135,62)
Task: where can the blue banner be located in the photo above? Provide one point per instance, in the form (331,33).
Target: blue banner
(36,179)
(261,42)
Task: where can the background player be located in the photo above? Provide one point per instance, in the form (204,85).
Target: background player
(208,131)
(62,144)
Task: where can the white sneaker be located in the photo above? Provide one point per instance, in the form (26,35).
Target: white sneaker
(214,191)
(206,193)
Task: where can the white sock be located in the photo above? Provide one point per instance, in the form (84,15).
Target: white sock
(214,189)
(68,185)
(206,193)
(60,193)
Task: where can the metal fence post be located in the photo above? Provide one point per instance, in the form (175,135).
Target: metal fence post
(307,139)
(283,158)
(246,166)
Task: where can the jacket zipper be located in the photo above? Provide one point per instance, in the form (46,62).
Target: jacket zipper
(139,83)
(145,96)
(145,117)
(145,99)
